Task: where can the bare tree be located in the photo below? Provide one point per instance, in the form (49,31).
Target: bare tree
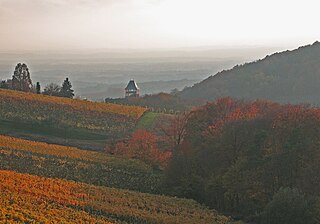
(175,130)
(52,90)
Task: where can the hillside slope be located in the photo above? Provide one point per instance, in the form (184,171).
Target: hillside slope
(68,121)
(31,199)
(98,168)
(290,76)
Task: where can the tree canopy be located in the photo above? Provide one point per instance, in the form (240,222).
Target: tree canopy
(237,155)
(52,90)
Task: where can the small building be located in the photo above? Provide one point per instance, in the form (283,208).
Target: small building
(132,89)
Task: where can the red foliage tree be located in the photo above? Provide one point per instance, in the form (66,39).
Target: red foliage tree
(175,131)
(142,145)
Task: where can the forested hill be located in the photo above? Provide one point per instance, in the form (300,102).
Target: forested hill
(290,76)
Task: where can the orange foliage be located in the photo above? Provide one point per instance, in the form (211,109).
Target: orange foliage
(228,110)
(51,149)
(142,145)
(295,115)
(43,148)
(28,198)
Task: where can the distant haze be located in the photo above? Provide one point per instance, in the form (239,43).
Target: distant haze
(100,74)
(29,25)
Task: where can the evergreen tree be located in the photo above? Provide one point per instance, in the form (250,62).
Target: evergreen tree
(38,88)
(66,90)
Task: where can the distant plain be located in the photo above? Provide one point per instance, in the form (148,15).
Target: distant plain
(97,74)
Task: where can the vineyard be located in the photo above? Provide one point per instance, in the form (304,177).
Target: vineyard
(70,163)
(65,114)
(28,198)
(50,183)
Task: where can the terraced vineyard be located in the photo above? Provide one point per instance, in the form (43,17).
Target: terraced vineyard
(70,163)
(27,198)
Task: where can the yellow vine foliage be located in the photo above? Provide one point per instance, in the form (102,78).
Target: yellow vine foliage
(51,149)
(75,104)
(43,148)
(16,208)
(19,192)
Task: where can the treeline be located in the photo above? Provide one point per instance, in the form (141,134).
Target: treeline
(161,102)
(257,161)
(21,81)
(53,89)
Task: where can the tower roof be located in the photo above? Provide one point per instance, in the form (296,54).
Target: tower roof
(132,85)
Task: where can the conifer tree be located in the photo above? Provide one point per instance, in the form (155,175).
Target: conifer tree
(38,88)
(66,90)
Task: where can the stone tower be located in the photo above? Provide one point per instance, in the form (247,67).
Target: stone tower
(132,89)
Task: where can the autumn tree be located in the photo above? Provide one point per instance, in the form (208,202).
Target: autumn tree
(174,130)
(236,155)
(142,145)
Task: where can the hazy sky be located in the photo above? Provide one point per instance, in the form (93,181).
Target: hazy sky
(97,24)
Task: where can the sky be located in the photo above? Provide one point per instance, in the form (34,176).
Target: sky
(143,24)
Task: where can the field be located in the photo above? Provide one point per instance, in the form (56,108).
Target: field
(26,198)
(70,163)
(65,120)
(148,120)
